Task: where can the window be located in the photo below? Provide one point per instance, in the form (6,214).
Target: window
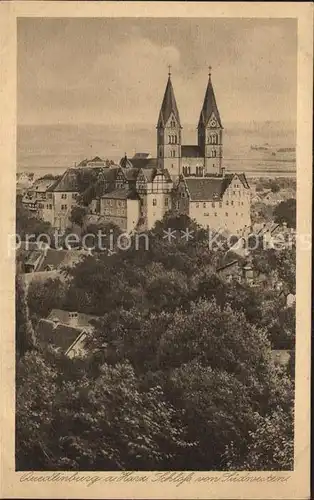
(215,214)
(236,213)
(227,202)
(74,195)
(197,205)
(226,214)
(214,153)
(154,202)
(231,202)
(166,202)
(50,206)
(204,205)
(213,139)
(241,202)
(63,196)
(178,204)
(213,204)
(220,204)
(111,203)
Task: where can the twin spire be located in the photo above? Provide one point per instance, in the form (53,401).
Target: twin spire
(169,104)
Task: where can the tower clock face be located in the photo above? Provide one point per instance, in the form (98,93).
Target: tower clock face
(213,122)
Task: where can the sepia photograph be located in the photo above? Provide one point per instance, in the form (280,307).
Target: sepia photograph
(155,248)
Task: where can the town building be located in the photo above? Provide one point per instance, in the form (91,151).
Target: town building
(189,179)
(70,332)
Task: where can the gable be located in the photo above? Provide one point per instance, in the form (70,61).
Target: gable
(172,122)
(213,121)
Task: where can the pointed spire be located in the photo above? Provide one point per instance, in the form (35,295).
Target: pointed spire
(209,104)
(169,104)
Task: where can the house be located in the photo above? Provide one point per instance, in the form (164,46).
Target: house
(121,207)
(216,202)
(38,200)
(39,262)
(70,332)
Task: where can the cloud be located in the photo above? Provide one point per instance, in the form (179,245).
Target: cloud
(115,71)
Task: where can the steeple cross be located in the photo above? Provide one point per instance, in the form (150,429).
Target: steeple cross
(209,70)
(169,72)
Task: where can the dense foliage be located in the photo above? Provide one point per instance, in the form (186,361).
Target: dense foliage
(286,211)
(179,375)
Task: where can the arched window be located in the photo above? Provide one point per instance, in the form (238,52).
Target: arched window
(214,153)
(213,139)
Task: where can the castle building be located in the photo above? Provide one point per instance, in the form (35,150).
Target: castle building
(189,179)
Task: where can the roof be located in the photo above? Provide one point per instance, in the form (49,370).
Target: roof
(83,320)
(58,334)
(191,151)
(97,159)
(119,194)
(29,252)
(207,188)
(130,173)
(209,106)
(168,106)
(227,265)
(210,188)
(150,173)
(68,182)
(42,185)
(144,162)
(142,155)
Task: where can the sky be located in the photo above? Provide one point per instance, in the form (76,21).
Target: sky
(114,70)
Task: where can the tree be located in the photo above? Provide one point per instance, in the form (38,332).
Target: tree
(275,188)
(36,390)
(271,446)
(24,334)
(286,212)
(77,215)
(105,424)
(44,296)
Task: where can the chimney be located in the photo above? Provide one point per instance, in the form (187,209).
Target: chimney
(73,318)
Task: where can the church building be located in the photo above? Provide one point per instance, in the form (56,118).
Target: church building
(203,158)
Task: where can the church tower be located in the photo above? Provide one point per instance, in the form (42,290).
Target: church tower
(169,133)
(210,132)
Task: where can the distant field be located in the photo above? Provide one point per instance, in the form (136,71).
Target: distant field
(54,148)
